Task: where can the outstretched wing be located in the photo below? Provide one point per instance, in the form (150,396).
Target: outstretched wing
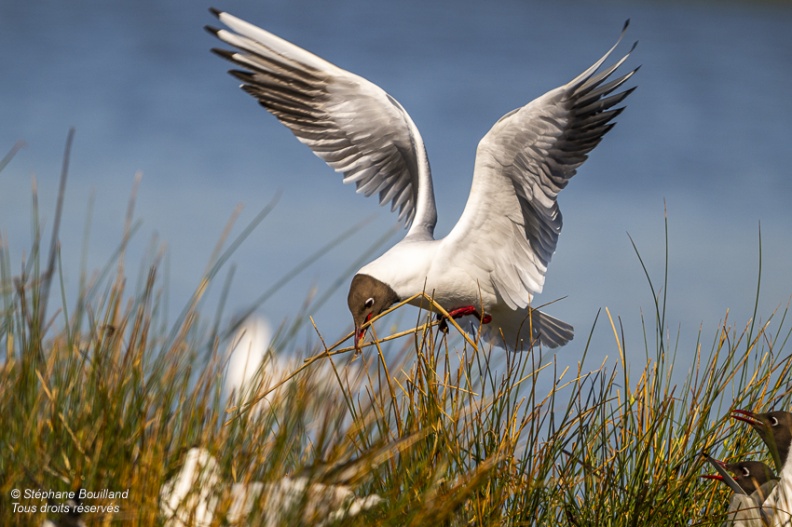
(510,225)
(349,122)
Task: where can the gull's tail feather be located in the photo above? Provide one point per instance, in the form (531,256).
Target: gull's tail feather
(552,332)
(519,330)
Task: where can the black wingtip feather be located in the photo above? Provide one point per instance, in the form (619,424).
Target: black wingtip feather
(211,29)
(216,12)
(224,53)
(626,93)
(244,76)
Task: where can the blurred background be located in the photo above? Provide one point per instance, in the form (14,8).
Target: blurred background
(706,139)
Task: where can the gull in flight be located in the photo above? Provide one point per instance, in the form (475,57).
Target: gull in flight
(494,260)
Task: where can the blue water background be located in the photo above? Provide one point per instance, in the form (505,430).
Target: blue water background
(708,134)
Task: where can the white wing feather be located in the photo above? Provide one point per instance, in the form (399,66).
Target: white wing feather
(349,122)
(511,222)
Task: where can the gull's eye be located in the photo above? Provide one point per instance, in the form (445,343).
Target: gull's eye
(746,472)
(773,421)
(369,302)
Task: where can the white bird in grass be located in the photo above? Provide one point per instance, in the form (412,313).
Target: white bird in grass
(246,356)
(315,495)
(751,482)
(494,260)
(193,495)
(778,505)
(253,368)
(775,429)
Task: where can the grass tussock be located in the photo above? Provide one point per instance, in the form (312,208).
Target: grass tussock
(101,392)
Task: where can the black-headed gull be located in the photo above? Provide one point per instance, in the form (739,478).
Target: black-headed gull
(494,260)
(748,475)
(775,429)
(751,482)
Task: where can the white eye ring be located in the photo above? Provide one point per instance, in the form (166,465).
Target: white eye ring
(746,472)
(369,302)
(774,421)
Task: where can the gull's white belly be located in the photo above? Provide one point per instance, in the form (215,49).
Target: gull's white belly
(412,267)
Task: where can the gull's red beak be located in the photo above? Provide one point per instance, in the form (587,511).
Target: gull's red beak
(718,462)
(359,334)
(746,416)
(723,474)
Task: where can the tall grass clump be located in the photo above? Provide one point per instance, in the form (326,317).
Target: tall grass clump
(101,392)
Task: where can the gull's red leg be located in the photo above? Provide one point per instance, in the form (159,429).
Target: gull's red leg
(461,312)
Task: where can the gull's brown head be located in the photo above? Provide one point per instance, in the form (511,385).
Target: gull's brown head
(368,297)
(749,475)
(775,429)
